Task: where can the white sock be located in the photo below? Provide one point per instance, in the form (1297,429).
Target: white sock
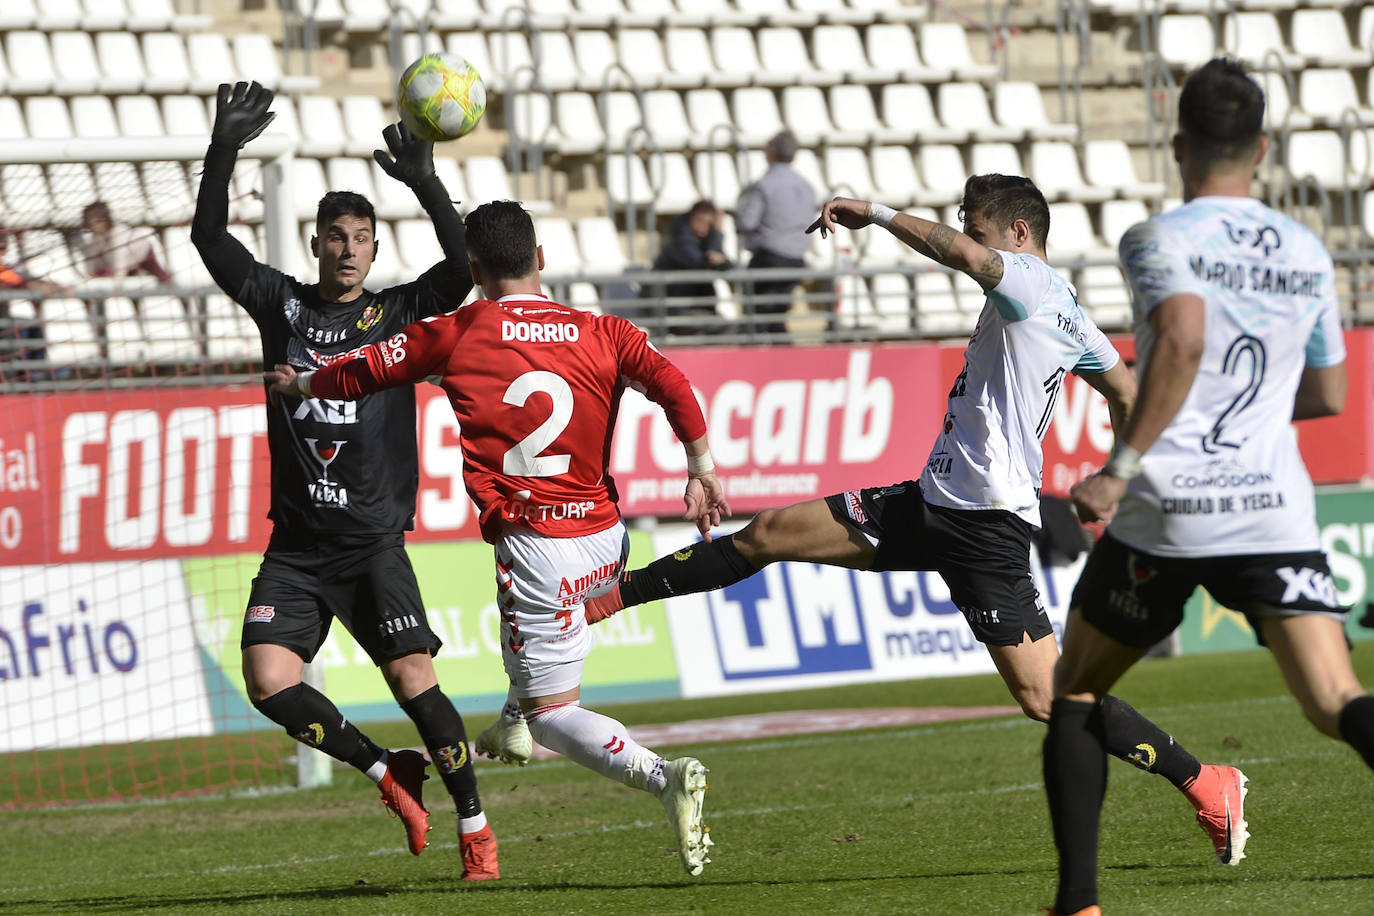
(512,708)
(472,824)
(599,743)
(378,769)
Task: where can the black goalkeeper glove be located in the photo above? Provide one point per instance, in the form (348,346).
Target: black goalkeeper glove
(241,113)
(414,160)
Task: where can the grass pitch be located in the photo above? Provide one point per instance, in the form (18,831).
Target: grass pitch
(933,819)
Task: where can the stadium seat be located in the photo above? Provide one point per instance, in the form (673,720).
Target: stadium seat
(451,15)
(942,173)
(893,45)
(666,119)
(555,234)
(556,64)
(212,62)
(473,47)
(167,191)
(709,116)
(1118,216)
(1322,155)
(584,296)
(1020,105)
(486,180)
(717,13)
(31,66)
(149,15)
(11,120)
(833,11)
(103,15)
(894,176)
(1327,94)
(599,243)
(965,106)
(604,13)
(689,59)
(529,119)
(447,169)
(840,50)
(1185,40)
(164,59)
(890,11)
(1071,233)
(1107,164)
(350,173)
(627,181)
(847,173)
(416,245)
(393,200)
(737,61)
(909,115)
(94,117)
(717,177)
(855,119)
(996,158)
(47,118)
(1364,29)
(755,114)
(363,120)
(58,14)
(595,53)
(937,310)
(640,52)
(1102,290)
(1054,168)
(783,52)
(1322,37)
(229,333)
(256,57)
(672,174)
(1253,37)
(25,193)
(778,13)
(508,52)
(117,184)
(73,56)
(579,124)
(120,63)
(320,126)
(184,116)
(387,269)
(365,15)
(945,45)
(621,117)
(171,338)
(125,340)
(804,113)
(308,185)
(806,165)
(18,14)
(880,249)
(1278,109)
(68,334)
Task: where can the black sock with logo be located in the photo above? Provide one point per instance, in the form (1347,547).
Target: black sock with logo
(309,717)
(1075,782)
(1357,727)
(1138,741)
(441,729)
(701,567)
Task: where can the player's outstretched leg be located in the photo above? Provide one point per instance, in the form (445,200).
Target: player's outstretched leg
(441,729)
(1216,792)
(700,567)
(604,745)
(508,738)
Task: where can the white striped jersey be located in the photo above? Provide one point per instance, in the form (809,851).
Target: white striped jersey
(1030,334)
(1226,478)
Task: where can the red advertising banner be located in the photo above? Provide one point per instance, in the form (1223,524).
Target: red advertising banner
(170,472)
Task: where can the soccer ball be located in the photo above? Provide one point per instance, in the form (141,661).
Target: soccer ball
(441,97)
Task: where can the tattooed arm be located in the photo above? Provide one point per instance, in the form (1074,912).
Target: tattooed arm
(936,241)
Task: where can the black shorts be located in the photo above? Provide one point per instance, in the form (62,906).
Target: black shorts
(982,554)
(1137,598)
(365,581)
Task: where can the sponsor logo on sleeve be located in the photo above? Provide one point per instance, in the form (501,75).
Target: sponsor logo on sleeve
(260,613)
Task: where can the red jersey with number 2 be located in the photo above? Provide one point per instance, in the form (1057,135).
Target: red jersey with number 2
(535,386)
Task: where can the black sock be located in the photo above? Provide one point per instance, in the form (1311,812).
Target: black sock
(1357,727)
(699,568)
(309,717)
(441,729)
(1075,781)
(1138,741)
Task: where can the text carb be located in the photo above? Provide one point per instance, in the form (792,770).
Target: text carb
(148,478)
(539,332)
(780,422)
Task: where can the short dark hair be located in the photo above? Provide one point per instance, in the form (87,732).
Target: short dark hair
(500,237)
(99,209)
(1004,199)
(703,206)
(344,203)
(1221,111)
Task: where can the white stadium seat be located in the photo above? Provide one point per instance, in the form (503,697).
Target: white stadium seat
(1185,40)
(1321,155)
(1120,215)
(349,173)
(1102,290)
(622,116)
(1252,37)
(553,53)
(487,180)
(804,113)
(48,118)
(717,177)
(782,51)
(94,117)
(942,172)
(676,189)
(599,243)
(184,115)
(508,52)
(363,120)
(945,45)
(12,120)
(164,59)
(855,119)
(908,114)
(995,158)
(1071,233)
(627,180)
(1278,108)
(735,56)
(529,118)
(18,14)
(555,234)
(1327,94)
(1321,35)
(68,333)
(666,119)
(212,62)
(640,52)
(579,123)
(1107,164)
(117,184)
(937,310)
(37,73)
(1054,168)
(149,15)
(167,191)
(74,61)
(168,328)
(595,53)
(755,111)
(58,14)
(229,333)
(1020,105)
(120,61)
(103,15)
(24,190)
(840,50)
(847,173)
(320,126)
(689,59)
(894,175)
(965,106)
(706,112)
(892,45)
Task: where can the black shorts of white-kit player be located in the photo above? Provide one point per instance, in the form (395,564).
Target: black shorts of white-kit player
(982,554)
(1137,599)
(366,581)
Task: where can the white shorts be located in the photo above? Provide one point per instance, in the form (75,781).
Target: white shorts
(541,584)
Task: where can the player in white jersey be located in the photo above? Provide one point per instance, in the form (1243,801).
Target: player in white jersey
(1237,331)
(971,515)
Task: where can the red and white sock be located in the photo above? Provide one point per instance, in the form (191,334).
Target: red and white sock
(599,743)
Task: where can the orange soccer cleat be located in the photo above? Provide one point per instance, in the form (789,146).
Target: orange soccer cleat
(1218,794)
(401,788)
(479,855)
(604,605)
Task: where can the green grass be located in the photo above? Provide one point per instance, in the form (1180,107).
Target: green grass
(932,819)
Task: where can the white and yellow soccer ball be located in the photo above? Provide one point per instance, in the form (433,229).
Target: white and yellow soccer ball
(441,97)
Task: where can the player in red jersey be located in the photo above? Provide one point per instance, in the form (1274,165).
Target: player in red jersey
(536,387)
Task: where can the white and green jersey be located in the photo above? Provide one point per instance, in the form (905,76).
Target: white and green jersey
(1226,478)
(1031,333)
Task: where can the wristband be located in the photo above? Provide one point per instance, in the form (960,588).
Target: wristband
(700,465)
(1124,462)
(303,383)
(880,215)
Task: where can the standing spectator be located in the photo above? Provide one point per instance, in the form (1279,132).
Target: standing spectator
(693,242)
(772,215)
(115,250)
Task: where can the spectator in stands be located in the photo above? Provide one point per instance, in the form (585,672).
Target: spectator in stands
(693,242)
(772,215)
(115,250)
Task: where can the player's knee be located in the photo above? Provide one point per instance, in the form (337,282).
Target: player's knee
(261,684)
(1323,708)
(759,541)
(1035,703)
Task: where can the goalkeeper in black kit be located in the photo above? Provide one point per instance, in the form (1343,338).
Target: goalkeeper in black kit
(344,477)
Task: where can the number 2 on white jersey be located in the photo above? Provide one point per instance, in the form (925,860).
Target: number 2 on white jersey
(523,459)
